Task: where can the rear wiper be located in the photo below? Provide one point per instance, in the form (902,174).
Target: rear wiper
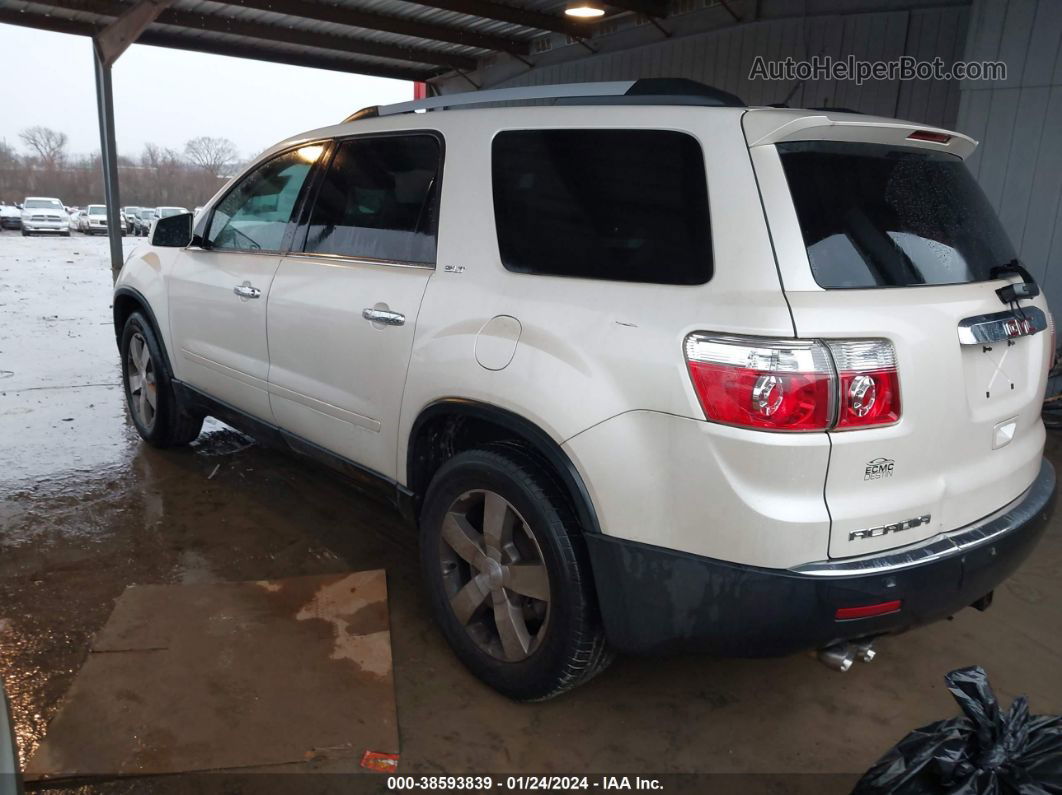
(1013,293)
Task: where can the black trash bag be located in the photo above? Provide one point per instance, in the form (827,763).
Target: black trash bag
(984,752)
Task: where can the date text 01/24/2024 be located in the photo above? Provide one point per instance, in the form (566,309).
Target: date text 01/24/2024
(521,783)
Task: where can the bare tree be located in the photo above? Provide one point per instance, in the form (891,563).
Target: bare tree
(49,144)
(211,154)
(159,177)
(8,157)
(159,158)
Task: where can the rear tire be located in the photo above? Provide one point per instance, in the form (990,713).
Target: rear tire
(512,593)
(156,411)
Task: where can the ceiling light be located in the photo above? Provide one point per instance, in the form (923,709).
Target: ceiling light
(584,11)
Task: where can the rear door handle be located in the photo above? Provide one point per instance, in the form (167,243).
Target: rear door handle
(245,290)
(383,316)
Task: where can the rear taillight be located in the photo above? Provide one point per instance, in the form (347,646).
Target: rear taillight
(794,385)
(782,385)
(869,385)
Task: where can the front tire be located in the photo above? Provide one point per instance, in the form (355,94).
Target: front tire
(507,574)
(154,407)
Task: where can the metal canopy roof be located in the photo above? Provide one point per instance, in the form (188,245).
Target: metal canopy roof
(404,39)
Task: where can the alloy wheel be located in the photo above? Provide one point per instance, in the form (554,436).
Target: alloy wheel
(140,373)
(495,575)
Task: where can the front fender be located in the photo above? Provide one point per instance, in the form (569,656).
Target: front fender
(142,284)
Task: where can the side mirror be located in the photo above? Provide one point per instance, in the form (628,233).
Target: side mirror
(173,232)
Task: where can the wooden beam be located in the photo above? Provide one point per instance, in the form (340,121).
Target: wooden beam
(115,39)
(342,15)
(214,47)
(504,13)
(212,23)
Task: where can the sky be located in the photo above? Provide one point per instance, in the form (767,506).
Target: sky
(168,96)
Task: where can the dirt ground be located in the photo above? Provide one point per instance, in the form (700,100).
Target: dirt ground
(87,509)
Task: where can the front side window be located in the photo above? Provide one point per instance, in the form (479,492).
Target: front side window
(378,200)
(622,205)
(255,214)
(880,216)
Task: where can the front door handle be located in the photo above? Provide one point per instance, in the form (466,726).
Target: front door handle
(245,290)
(383,316)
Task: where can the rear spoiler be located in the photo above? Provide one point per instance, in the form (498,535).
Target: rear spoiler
(767,126)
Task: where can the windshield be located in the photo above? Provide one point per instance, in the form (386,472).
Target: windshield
(147,213)
(97,209)
(878,216)
(166,212)
(42,204)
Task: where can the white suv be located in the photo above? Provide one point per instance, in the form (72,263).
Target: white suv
(650,369)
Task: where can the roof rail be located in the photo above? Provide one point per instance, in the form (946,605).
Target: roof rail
(647,91)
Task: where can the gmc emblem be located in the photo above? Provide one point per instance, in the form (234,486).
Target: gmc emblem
(1018,327)
(885,529)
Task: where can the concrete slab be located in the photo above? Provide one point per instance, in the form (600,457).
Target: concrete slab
(187,678)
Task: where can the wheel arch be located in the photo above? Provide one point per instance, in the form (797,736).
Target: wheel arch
(452,425)
(128,300)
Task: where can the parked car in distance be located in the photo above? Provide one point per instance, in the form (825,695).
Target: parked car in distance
(142,221)
(74,216)
(128,214)
(44,214)
(10,217)
(650,373)
(94,221)
(166,212)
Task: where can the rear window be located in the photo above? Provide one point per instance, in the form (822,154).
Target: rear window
(622,205)
(878,216)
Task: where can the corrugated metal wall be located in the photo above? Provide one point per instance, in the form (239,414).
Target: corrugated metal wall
(724,58)
(1019,124)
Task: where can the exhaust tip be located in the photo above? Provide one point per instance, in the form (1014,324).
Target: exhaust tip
(864,651)
(838,657)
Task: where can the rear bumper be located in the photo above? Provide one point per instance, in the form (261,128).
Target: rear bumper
(659,600)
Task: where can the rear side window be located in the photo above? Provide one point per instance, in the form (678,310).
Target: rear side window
(623,205)
(878,216)
(377,200)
